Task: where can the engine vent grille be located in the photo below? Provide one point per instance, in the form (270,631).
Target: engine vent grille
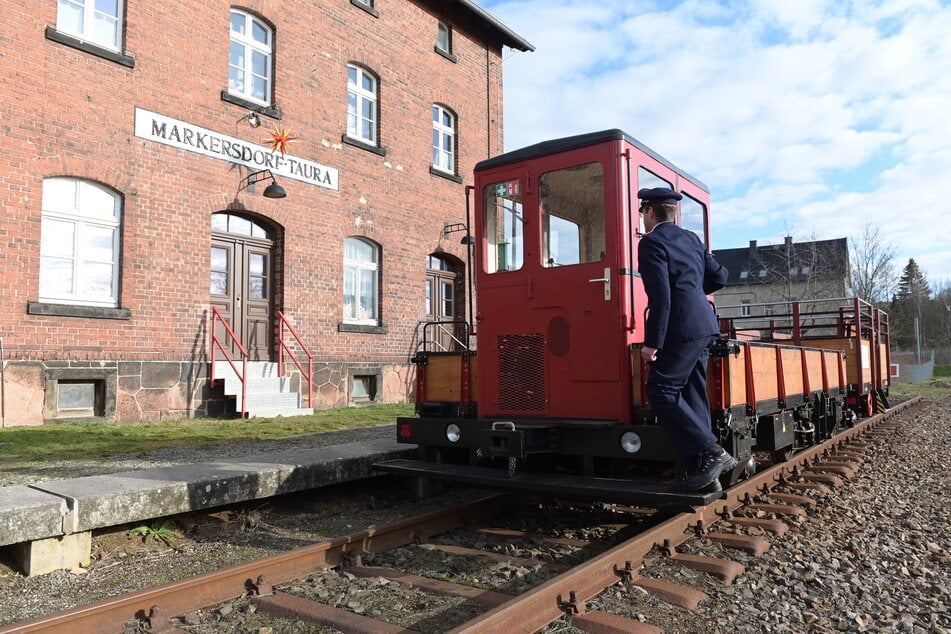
(522,373)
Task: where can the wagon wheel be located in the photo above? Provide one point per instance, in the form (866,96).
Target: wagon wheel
(784,454)
(745,469)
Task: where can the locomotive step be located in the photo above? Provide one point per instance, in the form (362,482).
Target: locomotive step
(654,494)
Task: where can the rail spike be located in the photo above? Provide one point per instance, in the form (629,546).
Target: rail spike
(572,606)
(260,587)
(625,574)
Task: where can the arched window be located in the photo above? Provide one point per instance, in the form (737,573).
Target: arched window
(232,223)
(79,243)
(361,275)
(250,60)
(444,139)
(361,105)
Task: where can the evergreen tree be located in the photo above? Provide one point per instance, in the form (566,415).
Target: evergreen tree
(913,284)
(908,305)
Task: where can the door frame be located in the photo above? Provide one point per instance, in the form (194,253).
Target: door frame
(248,318)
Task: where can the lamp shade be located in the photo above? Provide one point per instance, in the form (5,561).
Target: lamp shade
(274,190)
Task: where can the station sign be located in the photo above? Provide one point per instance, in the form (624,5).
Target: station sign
(185,136)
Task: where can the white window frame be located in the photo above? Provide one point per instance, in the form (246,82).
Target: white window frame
(444,38)
(357,98)
(90,17)
(251,46)
(444,159)
(356,272)
(82,219)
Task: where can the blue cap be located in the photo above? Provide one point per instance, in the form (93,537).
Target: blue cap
(659,195)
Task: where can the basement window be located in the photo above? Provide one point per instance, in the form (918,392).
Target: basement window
(79,399)
(363,388)
(80,393)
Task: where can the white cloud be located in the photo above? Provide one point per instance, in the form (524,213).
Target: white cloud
(808,116)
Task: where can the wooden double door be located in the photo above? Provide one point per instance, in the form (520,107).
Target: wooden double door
(241,289)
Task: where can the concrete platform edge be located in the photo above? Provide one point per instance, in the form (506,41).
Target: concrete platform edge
(49,523)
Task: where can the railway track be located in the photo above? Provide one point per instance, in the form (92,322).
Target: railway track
(779,491)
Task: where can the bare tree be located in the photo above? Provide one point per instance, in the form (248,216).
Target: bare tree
(873,275)
(803,269)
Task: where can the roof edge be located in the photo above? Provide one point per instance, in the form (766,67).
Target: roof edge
(554,146)
(509,37)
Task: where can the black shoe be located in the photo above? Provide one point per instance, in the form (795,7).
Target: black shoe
(712,464)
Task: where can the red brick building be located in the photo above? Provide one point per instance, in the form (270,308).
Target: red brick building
(135,201)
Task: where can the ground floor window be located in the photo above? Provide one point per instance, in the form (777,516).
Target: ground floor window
(361,282)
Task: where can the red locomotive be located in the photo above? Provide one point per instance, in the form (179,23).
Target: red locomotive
(553,401)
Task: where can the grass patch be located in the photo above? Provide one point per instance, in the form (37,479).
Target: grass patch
(60,441)
(942,371)
(936,389)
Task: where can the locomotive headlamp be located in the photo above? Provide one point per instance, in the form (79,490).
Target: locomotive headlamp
(453,433)
(630,442)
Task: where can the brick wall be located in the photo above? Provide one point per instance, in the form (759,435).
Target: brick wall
(67,112)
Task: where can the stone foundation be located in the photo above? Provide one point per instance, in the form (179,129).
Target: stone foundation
(162,390)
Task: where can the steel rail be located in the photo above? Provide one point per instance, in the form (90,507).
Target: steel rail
(567,592)
(531,611)
(155,606)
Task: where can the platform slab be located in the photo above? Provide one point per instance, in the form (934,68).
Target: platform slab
(122,498)
(27,514)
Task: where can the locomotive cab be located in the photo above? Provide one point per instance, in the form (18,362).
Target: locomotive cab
(560,308)
(547,393)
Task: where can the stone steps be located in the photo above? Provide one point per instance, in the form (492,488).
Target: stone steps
(267,393)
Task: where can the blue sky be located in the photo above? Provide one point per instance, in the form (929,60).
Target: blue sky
(809,118)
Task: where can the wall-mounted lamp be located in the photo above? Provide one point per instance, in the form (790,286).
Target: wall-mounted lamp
(252,118)
(453,227)
(271,191)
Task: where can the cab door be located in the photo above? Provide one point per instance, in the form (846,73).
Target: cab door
(549,291)
(577,289)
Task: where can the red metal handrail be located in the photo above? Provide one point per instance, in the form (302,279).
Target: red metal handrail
(216,344)
(282,346)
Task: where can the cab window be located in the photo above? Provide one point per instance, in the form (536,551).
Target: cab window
(504,231)
(572,211)
(692,217)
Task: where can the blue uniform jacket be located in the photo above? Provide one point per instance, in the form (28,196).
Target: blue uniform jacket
(678,273)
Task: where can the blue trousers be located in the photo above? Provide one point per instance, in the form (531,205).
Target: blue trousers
(677,390)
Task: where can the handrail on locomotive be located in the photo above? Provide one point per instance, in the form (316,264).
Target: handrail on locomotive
(440,325)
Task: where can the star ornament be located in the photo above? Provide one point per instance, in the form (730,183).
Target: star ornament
(280,140)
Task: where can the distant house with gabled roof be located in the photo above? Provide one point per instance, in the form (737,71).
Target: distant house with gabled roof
(761,275)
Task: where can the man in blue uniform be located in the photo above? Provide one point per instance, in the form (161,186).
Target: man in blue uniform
(678,272)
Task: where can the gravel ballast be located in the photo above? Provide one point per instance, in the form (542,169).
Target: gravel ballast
(872,557)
